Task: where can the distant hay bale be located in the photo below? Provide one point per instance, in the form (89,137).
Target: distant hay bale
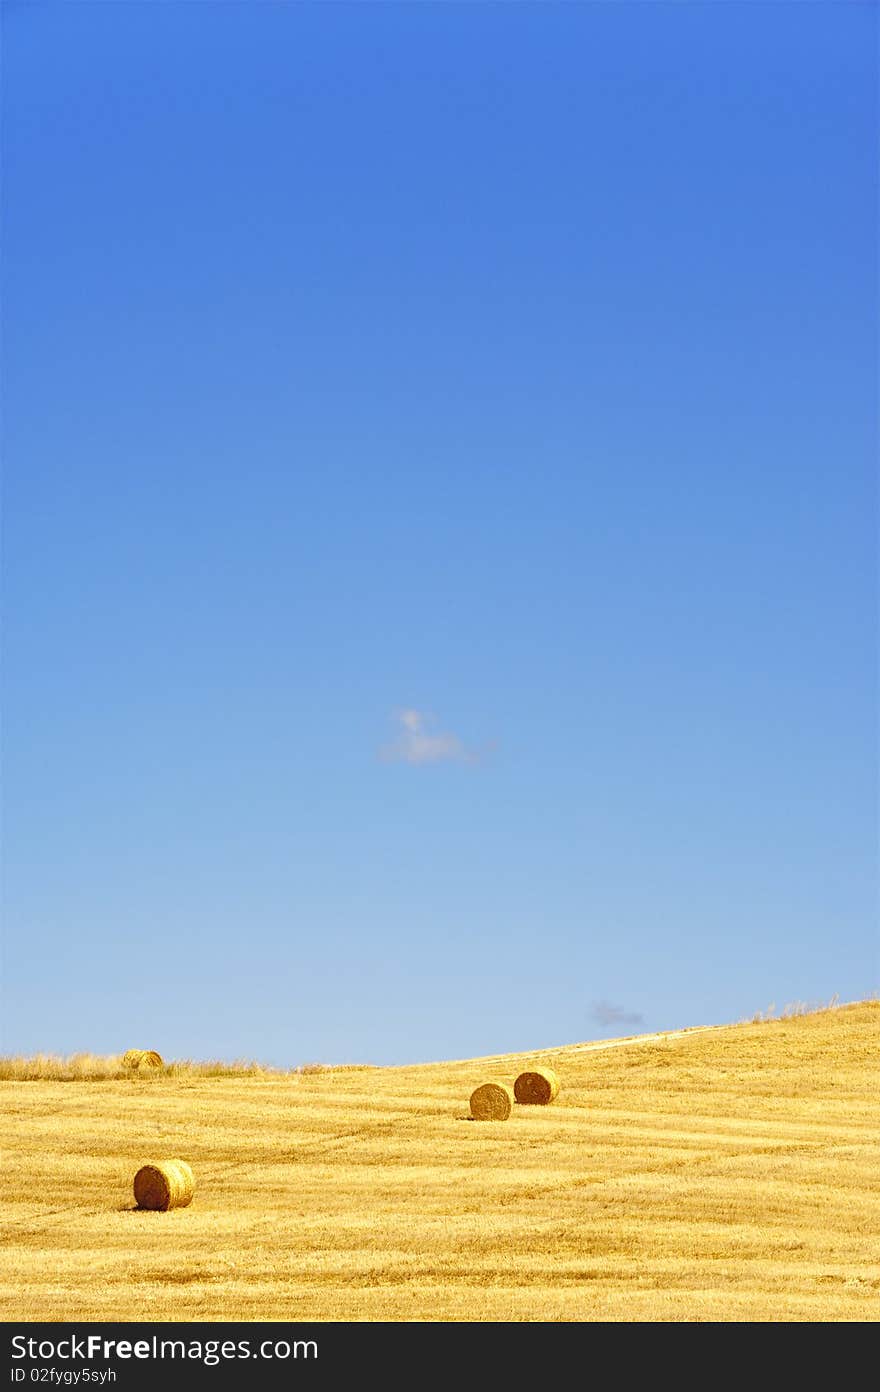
(492,1102)
(539,1086)
(141,1058)
(170,1184)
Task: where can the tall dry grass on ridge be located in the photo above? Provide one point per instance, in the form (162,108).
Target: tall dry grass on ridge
(792,1011)
(96,1068)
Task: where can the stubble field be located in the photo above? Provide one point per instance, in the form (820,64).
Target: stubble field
(719,1174)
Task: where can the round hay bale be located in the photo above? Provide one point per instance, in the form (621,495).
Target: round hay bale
(170,1184)
(492,1102)
(131,1058)
(539,1086)
(150,1059)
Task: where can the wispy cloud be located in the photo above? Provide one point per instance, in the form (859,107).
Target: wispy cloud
(418,741)
(607,1015)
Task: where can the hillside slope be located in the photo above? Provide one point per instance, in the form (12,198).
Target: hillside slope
(717,1174)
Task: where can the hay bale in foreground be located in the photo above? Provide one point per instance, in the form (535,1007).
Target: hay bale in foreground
(169,1184)
(492,1102)
(539,1086)
(142,1058)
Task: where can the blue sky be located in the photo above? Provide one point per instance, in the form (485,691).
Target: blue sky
(440,525)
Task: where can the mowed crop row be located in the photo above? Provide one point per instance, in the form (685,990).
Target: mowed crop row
(719,1174)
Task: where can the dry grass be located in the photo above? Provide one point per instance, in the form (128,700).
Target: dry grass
(790,1011)
(97,1068)
(724,1174)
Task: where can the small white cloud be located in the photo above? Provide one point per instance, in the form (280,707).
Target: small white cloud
(608,1015)
(418,742)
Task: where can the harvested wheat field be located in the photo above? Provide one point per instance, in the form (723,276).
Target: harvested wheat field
(718,1174)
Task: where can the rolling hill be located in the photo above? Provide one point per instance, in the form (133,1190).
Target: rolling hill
(726,1173)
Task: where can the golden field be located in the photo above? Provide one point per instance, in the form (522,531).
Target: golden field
(717,1174)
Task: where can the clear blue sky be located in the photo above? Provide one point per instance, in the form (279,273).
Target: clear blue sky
(440,527)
